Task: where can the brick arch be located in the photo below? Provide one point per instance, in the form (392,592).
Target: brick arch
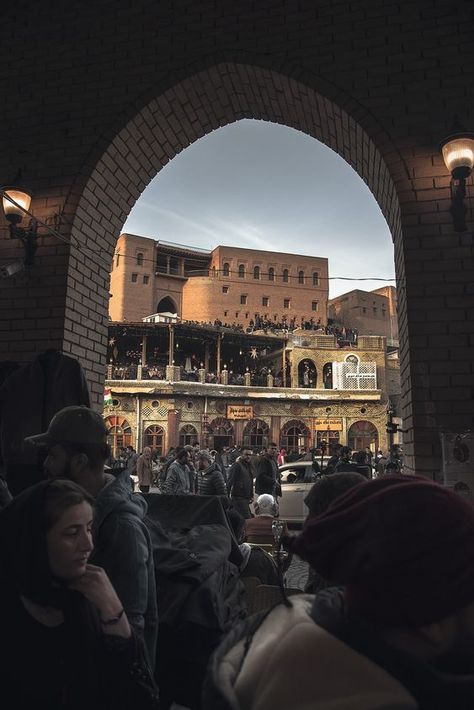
(182,114)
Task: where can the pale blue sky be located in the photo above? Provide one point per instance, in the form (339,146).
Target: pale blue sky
(264,186)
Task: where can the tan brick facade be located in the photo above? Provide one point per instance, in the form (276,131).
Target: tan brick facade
(370,312)
(288,285)
(245,283)
(378,83)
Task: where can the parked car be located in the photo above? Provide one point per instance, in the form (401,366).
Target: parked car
(299,470)
(296,480)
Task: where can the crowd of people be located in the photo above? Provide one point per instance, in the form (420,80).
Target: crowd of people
(389,555)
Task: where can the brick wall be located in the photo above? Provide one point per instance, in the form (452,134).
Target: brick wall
(221,296)
(367,311)
(99,97)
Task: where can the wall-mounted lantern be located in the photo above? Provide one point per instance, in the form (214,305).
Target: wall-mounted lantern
(458,154)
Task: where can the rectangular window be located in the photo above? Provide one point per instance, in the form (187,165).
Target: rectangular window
(265,300)
(286,303)
(243,299)
(236,314)
(364,310)
(134,278)
(225,314)
(375,311)
(314,305)
(383,314)
(225,289)
(146,279)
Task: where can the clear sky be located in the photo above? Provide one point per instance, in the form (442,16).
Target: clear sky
(264,186)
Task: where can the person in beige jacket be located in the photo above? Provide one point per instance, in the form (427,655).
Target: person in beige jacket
(145,470)
(398,631)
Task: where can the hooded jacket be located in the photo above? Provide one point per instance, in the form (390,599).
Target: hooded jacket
(122,546)
(211,481)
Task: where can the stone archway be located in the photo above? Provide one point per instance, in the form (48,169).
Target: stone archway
(280,99)
(166,305)
(362,435)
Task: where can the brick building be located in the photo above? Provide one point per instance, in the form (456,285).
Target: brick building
(371,312)
(148,276)
(231,284)
(102,96)
(343,401)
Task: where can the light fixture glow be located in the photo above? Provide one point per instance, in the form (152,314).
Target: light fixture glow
(13,213)
(458,155)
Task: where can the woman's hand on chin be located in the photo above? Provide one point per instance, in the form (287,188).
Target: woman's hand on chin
(97,588)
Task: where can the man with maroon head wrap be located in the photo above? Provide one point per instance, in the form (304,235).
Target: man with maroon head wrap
(397,633)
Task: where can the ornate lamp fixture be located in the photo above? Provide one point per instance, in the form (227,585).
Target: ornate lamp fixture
(16,204)
(458,154)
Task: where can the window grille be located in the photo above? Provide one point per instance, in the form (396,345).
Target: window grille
(354,376)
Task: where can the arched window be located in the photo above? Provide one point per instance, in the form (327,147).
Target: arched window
(241,271)
(226,269)
(140,259)
(327,376)
(271,274)
(256,433)
(307,374)
(188,435)
(362,435)
(154,437)
(295,436)
(222,433)
(256,272)
(315,278)
(213,272)
(119,433)
(285,275)
(301,277)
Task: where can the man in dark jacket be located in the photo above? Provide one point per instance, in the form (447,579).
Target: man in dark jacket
(179,477)
(240,483)
(210,478)
(77,449)
(268,476)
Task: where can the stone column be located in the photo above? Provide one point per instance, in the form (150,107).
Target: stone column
(269,380)
(224,377)
(202,375)
(247,379)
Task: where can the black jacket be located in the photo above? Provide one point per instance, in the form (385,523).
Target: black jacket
(266,480)
(240,480)
(211,481)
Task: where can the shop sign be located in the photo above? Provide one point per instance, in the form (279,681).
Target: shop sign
(328,424)
(239,411)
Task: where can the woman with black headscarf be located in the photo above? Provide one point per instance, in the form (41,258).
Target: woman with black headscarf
(65,639)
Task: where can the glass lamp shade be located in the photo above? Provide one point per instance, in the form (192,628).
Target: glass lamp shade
(12,212)
(458,154)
